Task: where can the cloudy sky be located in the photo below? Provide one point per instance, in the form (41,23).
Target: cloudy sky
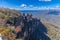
(30,4)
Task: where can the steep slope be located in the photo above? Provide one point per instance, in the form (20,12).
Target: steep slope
(5,29)
(7,14)
(53,31)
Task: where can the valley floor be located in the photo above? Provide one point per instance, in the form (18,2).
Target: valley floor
(53,32)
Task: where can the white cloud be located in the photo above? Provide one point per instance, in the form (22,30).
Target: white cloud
(38,8)
(23,5)
(45,0)
(31,6)
(57,6)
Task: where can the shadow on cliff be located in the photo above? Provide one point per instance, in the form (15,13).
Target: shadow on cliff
(37,30)
(40,32)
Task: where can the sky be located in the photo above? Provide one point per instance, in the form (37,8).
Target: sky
(34,5)
(30,4)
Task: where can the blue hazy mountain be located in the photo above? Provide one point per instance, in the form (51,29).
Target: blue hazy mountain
(34,12)
(54,12)
(30,11)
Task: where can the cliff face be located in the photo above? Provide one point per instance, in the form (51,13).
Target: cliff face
(52,30)
(42,30)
